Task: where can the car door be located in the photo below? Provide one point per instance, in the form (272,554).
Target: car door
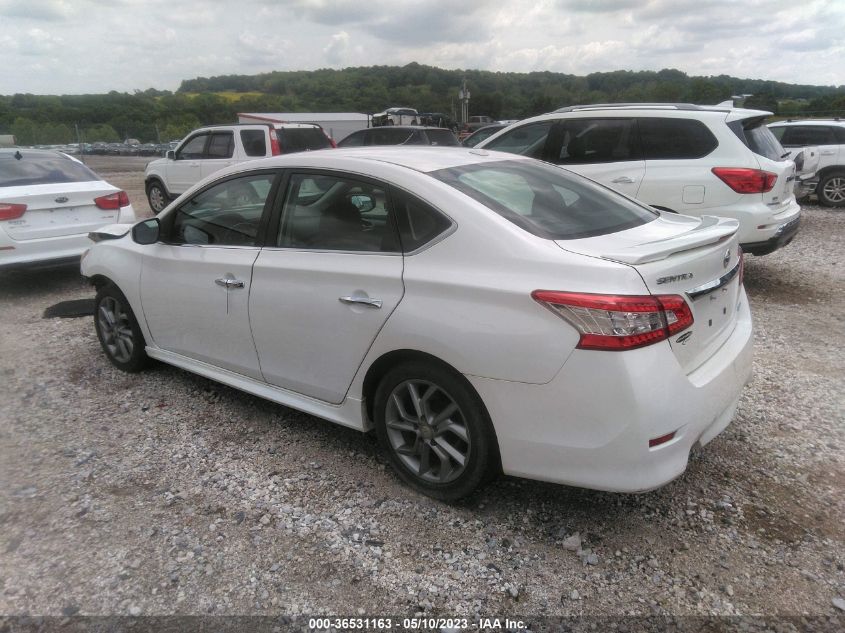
(184,171)
(325,283)
(604,149)
(195,283)
(822,136)
(218,153)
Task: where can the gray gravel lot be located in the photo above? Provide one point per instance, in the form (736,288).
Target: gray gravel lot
(165,493)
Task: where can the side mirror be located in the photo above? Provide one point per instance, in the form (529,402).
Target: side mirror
(170,154)
(146,232)
(363,202)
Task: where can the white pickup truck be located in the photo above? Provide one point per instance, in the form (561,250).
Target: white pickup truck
(204,151)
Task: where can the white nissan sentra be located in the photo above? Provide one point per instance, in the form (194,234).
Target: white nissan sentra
(481,311)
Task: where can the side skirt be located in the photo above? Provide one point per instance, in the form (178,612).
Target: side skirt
(349,413)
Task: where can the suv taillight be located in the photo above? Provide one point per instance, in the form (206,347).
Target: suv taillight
(9,211)
(112,201)
(618,322)
(744,180)
(275,147)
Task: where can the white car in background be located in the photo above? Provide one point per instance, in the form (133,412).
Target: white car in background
(697,160)
(481,311)
(49,202)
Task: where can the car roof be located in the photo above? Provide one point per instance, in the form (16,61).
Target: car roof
(407,127)
(33,153)
(418,158)
(680,108)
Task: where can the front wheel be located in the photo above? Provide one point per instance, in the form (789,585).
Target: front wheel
(157,197)
(831,189)
(435,430)
(118,330)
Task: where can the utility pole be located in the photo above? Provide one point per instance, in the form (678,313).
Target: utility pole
(463,97)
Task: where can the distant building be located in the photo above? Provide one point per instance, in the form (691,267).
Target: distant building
(7,140)
(337,125)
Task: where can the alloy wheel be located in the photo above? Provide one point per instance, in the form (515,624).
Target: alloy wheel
(427,431)
(116,329)
(156,196)
(834,190)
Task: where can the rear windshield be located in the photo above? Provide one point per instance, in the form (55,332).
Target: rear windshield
(300,139)
(442,137)
(27,168)
(546,201)
(759,139)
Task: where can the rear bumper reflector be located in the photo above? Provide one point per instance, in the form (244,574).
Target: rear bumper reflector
(657,441)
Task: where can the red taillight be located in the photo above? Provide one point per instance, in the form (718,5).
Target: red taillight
(618,322)
(744,180)
(112,201)
(9,211)
(275,147)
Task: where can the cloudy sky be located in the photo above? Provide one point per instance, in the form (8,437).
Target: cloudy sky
(91,46)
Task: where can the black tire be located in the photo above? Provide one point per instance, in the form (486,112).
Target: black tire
(157,196)
(447,480)
(120,336)
(831,189)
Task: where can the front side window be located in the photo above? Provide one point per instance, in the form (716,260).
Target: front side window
(526,140)
(337,213)
(583,141)
(546,201)
(356,139)
(222,145)
(665,139)
(194,148)
(227,214)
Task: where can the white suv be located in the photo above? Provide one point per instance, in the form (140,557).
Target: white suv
(683,158)
(208,149)
(829,136)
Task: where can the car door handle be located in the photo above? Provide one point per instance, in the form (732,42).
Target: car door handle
(623,180)
(372,303)
(229,283)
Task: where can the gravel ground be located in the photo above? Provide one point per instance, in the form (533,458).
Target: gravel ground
(165,493)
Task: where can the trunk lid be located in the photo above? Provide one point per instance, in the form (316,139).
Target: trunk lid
(696,258)
(58,209)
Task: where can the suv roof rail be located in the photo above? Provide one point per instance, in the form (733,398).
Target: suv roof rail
(676,106)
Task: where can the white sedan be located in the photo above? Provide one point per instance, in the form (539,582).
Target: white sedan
(49,202)
(482,312)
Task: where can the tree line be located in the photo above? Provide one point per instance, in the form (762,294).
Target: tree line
(159,116)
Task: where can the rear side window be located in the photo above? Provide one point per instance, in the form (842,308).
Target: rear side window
(41,169)
(583,141)
(418,222)
(758,138)
(442,137)
(254,142)
(664,139)
(546,201)
(301,139)
(221,146)
(803,135)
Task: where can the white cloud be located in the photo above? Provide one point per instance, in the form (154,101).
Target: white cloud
(72,46)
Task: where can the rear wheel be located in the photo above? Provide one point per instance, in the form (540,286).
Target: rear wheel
(118,330)
(157,196)
(831,189)
(435,430)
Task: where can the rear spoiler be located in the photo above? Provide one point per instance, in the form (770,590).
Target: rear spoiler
(711,230)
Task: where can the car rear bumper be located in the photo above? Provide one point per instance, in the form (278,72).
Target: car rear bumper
(46,251)
(783,236)
(591,425)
